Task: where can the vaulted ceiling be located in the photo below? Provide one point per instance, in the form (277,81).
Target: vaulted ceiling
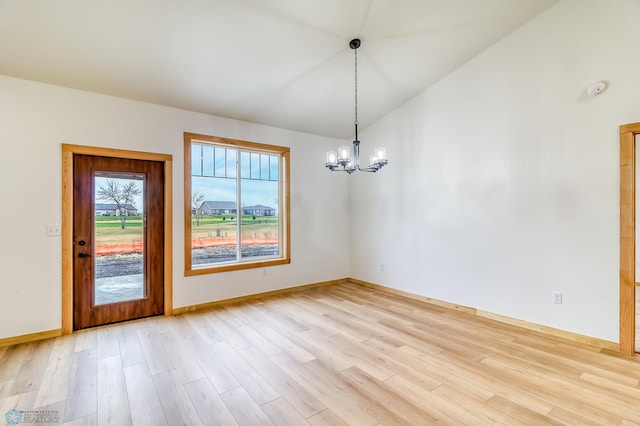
(283,63)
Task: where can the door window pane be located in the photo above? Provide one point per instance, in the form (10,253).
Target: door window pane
(119,238)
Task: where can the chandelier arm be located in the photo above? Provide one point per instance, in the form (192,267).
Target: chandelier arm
(369,168)
(341,168)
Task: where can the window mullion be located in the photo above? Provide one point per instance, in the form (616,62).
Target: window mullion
(201,160)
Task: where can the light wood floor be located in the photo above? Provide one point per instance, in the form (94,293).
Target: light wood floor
(343,354)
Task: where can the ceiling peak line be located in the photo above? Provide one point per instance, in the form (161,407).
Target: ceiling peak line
(365,16)
(298,22)
(283,86)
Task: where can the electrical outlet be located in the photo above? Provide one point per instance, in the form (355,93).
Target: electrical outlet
(556,297)
(382,267)
(264,272)
(53,230)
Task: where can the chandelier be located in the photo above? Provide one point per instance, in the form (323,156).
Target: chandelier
(347,159)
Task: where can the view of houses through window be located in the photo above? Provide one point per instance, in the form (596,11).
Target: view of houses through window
(235,196)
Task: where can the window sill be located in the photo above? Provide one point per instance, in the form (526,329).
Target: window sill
(235,267)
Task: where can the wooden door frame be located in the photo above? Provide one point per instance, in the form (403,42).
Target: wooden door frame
(67,222)
(628,165)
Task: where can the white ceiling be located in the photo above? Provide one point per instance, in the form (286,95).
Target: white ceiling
(283,63)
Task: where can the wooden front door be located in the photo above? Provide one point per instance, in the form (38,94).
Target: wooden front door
(118,224)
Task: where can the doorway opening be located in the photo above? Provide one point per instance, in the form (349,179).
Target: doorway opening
(116,236)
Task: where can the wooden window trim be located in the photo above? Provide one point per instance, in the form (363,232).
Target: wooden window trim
(284,208)
(628,166)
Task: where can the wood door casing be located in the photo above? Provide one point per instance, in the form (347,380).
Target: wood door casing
(628,170)
(86,313)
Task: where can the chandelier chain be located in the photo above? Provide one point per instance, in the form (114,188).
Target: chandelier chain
(356,89)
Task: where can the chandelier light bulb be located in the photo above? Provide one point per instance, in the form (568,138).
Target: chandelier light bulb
(344,153)
(332,158)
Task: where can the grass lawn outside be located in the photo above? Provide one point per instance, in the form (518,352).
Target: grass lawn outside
(109,229)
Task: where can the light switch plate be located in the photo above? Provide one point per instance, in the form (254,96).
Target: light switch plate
(53,230)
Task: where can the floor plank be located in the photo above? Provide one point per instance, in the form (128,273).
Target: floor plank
(131,351)
(244,408)
(86,340)
(143,397)
(326,418)
(91,420)
(176,404)
(55,381)
(296,395)
(217,373)
(82,396)
(31,372)
(155,352)
(113,404)
(207,402)
(327,388)
(282,413)
(185,365)
(108,341)
(12,360)
(248,377)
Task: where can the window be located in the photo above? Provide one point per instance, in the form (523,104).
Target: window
(236,204)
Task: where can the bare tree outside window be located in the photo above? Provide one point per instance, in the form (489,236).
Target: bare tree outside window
(196,202)
(121,193)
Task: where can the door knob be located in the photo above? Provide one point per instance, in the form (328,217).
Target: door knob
(83,254)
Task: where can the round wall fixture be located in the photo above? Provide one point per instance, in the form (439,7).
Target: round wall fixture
(596,88)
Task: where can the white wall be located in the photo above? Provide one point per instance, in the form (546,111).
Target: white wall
(35,119)
(503,177)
